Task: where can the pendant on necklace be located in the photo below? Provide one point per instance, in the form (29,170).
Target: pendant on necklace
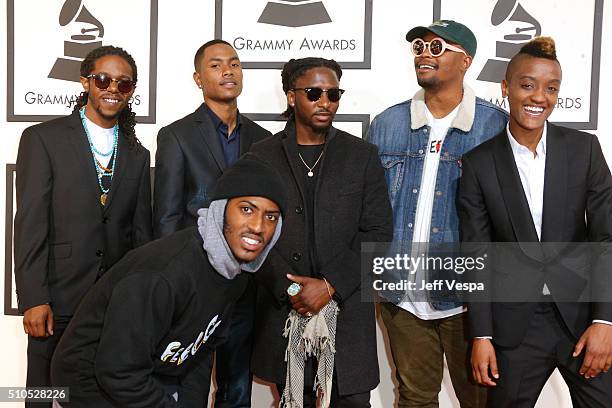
(310,174)
(103,199)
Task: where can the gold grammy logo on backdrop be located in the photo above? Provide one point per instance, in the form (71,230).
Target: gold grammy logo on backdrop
(89,37)
(294,13)
(509,10)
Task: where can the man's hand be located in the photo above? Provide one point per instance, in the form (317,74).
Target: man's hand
(597,339)
(313,296)
(38,321)
(483,359)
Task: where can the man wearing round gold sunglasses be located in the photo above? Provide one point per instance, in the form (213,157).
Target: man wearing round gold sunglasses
(102,81)
(421,142)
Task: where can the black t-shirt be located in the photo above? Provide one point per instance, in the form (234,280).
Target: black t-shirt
(311,154)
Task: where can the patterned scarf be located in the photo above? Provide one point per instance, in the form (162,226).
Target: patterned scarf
(310,337)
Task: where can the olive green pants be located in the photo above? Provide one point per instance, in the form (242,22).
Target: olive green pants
(418,348)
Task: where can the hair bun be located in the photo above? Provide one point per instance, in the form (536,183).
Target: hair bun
(541,47)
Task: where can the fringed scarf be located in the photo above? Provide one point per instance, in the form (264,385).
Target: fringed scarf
(310,337)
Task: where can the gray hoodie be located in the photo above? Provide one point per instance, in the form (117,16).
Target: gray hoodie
(220,256)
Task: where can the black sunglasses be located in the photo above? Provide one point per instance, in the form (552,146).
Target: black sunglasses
(103,81)
(314,94)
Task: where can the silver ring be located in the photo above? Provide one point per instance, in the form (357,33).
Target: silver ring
(294,289)
(308,314)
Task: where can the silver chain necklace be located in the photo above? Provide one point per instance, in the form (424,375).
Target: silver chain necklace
(310,169)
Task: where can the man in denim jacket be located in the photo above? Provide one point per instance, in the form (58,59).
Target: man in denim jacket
(420,143)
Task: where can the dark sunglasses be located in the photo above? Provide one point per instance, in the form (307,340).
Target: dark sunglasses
(314,94)
(103,81)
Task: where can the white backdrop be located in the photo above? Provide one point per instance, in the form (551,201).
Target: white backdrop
(366,36)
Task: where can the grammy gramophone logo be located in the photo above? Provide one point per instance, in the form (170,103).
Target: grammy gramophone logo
(88,33)
(294,13)
(524,28)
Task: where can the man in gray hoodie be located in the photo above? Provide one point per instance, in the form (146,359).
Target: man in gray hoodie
(140,336)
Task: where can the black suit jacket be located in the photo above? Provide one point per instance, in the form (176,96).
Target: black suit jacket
(64,238)
(351,206)
(577,208)
(188,161)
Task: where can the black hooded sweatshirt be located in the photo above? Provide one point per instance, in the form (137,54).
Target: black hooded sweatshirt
(145,326)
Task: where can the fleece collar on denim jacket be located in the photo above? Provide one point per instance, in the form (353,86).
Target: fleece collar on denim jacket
(464,119)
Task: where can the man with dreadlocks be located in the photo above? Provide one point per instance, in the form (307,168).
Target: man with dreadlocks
(536,183)
(83,201)
(311,283)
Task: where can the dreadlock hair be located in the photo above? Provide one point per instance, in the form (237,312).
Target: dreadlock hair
(295,68)
(127,117)
(539,47)
(200,52)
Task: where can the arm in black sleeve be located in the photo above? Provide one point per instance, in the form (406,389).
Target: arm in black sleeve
(375,225)
(138,315)
(273,276)
(475,227)
(141,231)
(599,223)
(34,186)
(168,205)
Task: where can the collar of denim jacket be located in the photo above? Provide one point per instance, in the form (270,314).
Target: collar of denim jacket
(465,116)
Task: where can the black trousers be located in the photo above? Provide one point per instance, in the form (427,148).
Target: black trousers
(361,400)
(233,357)
(547,345)
(40,351)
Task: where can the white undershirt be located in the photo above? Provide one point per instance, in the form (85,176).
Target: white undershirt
(531,168)
(422,222)
(102,139)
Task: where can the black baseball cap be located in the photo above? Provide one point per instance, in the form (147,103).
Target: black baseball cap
(449,30)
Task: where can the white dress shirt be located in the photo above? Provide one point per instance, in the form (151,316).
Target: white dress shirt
(531,168)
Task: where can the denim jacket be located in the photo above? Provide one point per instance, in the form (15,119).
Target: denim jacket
(401,133)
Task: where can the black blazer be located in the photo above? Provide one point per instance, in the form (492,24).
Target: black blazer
(493,208)
(188,161)
(64,238)
(351,206)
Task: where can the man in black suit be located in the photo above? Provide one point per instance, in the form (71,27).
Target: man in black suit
(337,199)
(536,184)
(83,201)
(191,155)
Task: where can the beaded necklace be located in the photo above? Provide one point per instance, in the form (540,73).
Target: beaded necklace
(101,170)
